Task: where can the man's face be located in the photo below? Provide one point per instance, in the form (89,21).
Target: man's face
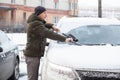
(43,15)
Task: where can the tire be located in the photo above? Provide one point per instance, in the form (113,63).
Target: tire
(16,72)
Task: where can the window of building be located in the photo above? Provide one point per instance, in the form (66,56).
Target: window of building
(55,20)
(72,6)
(24,2)
(24,16)
(56,5)
(12,1)
(12,15)
(76,5)
(42,2)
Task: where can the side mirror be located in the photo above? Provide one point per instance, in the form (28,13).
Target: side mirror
(1,49)
(47,44)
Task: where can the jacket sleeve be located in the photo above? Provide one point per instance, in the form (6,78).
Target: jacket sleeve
(48,25)
(47,33)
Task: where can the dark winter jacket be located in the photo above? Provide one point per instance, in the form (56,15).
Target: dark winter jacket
(37,33)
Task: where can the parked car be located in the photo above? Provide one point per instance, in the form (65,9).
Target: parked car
(94,54)
(9,59)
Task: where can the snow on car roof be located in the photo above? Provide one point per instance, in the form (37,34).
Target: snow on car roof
(90,20)
(18,38)
(65,24)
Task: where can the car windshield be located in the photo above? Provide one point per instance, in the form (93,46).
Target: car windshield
(97,34)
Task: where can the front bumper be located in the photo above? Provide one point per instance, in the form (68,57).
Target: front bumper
(52,71)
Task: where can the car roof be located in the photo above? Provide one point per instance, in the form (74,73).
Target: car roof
(65,24)
(90,20)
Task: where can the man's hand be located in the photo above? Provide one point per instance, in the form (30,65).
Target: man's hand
(56,29)
(69,40)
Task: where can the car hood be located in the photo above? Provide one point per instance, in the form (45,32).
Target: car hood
(8,46)
(96,57)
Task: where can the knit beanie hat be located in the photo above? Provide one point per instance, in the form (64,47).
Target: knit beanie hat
(38,10)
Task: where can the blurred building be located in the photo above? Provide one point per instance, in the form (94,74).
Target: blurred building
(14,13)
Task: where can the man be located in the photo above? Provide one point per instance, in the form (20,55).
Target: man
(37,32)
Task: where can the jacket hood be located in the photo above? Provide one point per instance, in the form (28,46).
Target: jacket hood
(33,17)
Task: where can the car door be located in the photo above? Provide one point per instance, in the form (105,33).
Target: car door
(6,57)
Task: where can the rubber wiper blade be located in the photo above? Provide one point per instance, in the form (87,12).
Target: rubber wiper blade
(77,43)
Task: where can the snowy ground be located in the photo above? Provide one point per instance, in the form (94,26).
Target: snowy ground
(23,71)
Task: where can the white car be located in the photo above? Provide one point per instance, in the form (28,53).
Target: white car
(9,58)
(95,54)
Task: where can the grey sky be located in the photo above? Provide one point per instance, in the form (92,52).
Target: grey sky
(93,3)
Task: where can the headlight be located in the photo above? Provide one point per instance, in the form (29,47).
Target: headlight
(56,72)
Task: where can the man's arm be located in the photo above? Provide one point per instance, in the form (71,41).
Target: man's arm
(51,26)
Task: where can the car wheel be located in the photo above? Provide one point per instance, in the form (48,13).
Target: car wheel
(16,73)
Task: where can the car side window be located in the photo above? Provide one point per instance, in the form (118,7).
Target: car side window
(3,37)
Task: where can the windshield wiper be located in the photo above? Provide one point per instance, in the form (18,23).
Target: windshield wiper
(71,36)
